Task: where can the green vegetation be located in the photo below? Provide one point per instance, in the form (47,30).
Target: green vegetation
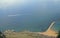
(58,35)
(2,35)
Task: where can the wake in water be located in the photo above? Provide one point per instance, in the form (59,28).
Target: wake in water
(49,31)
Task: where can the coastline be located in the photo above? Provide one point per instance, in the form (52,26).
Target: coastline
(13,34)
(49,33)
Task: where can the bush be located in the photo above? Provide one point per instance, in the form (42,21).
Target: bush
(58,35)
(2,35)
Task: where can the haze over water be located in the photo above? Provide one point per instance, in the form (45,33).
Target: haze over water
(32,15)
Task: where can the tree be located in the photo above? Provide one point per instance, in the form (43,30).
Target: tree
(58,35)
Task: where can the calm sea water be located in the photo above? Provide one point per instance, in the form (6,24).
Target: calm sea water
(32,15)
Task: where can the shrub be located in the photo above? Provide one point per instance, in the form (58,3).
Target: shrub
(58,35)
(2,35)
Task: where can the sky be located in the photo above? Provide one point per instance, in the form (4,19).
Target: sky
(29,12)
(10,3)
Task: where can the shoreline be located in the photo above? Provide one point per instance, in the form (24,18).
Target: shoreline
(12,33)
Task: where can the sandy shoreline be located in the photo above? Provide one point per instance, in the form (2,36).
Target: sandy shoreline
(49,33)
(46,34)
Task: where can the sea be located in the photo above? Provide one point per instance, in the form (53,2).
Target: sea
(33,15)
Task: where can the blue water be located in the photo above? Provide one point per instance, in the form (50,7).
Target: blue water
(56,26)
(34,15)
